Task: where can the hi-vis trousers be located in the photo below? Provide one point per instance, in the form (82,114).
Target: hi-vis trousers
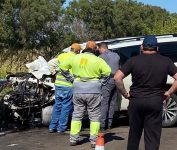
(91,103)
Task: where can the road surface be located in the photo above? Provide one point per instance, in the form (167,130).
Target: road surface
(41,139)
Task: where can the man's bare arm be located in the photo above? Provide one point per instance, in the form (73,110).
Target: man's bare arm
(173,88)
(120,84)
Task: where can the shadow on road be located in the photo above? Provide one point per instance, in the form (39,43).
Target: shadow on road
(120,120)
(84,138)
(111,137)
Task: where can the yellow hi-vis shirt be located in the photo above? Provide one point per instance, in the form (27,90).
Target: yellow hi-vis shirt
(87,65)
(60,79)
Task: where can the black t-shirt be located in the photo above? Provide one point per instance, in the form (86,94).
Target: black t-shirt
(149,74)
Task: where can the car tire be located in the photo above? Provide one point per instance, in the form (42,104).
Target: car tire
(169,116)
(46,115)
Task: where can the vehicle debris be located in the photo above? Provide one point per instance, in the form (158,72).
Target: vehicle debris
(31,94)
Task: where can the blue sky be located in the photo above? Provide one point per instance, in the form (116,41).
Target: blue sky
(169,5)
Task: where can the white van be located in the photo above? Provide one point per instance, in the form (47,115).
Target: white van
(125,47)
(128,47)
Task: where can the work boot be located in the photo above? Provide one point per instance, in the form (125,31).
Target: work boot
(74,143)
(61,132)
(102,129)
(109,127)
(52,130)
(93,144)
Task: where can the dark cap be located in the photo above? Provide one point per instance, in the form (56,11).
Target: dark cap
(150,42)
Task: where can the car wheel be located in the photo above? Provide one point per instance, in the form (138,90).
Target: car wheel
(169,115)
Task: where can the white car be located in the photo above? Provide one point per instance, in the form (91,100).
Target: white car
(128,47)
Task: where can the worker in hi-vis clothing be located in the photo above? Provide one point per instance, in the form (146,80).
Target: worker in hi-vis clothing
(87,69)
(63,94)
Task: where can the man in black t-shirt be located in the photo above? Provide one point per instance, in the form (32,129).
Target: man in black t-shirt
(149,75)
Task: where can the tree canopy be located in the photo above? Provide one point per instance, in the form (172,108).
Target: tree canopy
(48,26)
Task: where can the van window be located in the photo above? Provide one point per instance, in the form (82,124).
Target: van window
(169,49)
(126,52)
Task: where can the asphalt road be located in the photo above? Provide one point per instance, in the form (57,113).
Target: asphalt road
(115,139)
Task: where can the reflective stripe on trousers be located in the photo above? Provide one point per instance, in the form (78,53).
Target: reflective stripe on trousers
(91,102)
(76,127)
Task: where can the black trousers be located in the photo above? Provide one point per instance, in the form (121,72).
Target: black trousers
(145,113)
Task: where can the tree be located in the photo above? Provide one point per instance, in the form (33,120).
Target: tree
(97,16)
(46,27)
(30,26)
(30,23)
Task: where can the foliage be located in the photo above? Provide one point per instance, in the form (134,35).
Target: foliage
(28,24)
(97,16)
(105,19)
(6,90)
(30,28)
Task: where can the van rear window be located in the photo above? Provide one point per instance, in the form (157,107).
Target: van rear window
(168,49)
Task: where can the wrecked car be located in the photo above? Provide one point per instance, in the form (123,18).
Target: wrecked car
(32,94)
